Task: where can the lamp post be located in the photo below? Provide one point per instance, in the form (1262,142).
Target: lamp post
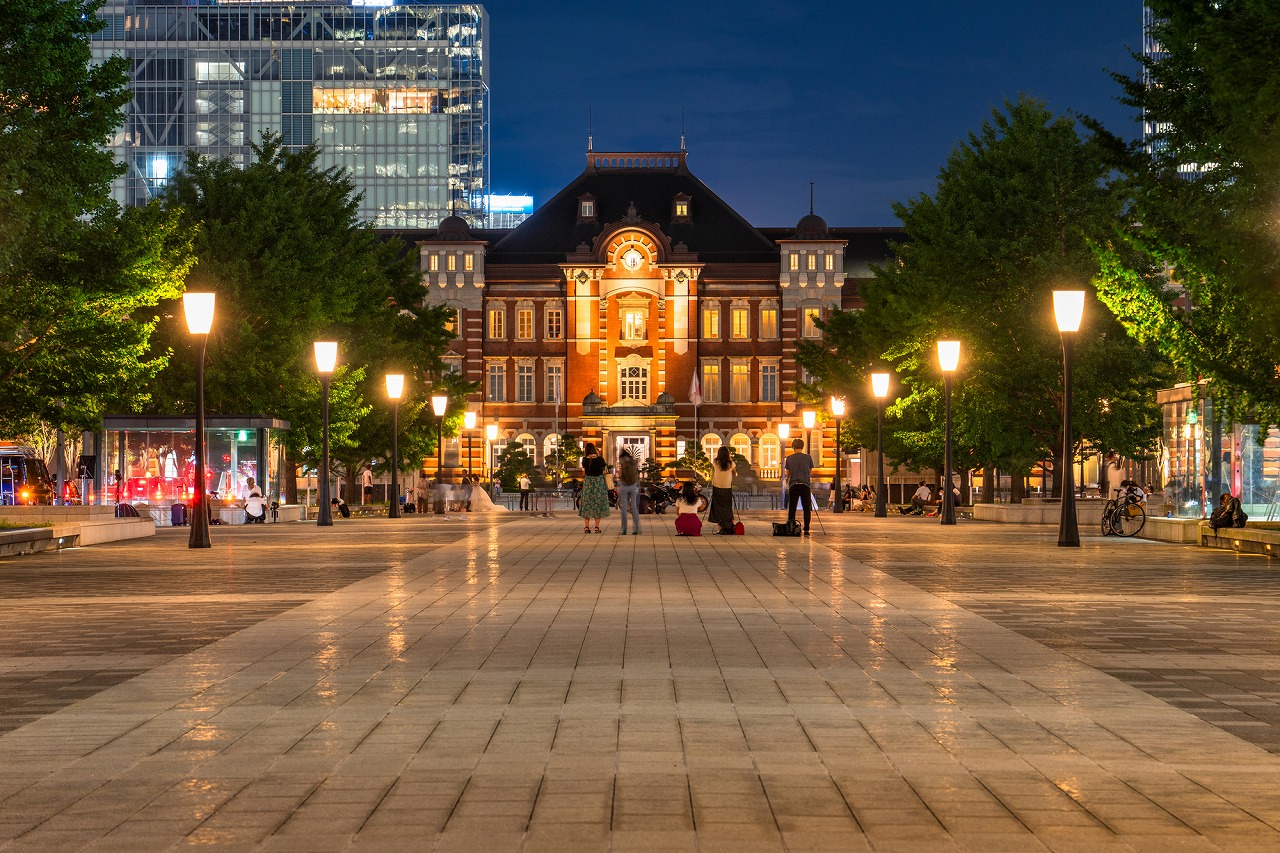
(395,387)
(199,310)
(808,417)
(880,388)
(837,409)
(490,436)
(1068,308)
(326,357)
(469,423)
(784,432)
(948,360)
(439,403)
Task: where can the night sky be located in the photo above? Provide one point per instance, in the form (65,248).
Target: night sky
(865,99)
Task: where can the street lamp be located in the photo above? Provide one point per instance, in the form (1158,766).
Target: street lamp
(1068,308)
(808,417)
(439,403)
(395,387)
(490,436)
(880,388)
(948,360)
(469,423)
(199,310)
(837,410)
(326,357)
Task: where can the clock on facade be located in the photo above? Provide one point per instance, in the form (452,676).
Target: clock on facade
(632,260)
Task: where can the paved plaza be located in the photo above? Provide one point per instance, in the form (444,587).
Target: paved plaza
(509,684)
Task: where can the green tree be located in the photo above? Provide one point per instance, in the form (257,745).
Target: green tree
(280,243)
(695,459)
(512,462)
(79,281)
(560,463)
(1013,217)
(1195,268)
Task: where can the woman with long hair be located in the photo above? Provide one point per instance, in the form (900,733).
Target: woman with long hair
(594,504)
(721,512)
(687,507)
(628,482)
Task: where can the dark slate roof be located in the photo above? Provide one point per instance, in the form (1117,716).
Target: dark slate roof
(715,232)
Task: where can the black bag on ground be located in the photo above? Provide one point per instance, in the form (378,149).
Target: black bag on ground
(786,528)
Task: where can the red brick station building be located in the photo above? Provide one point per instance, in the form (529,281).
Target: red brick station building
(595,315)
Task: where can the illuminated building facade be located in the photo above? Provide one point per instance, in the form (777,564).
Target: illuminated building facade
(597,314)
(395,94)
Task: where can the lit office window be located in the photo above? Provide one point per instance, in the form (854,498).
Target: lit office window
(740,382)
(794,261)
(768,322)
(711,382)
(813,261)
(524,324)
(469,262)
(453,263)
(433,262)
(711,321)
(811,318)
(555,324)
(633,324)
(497,324)
(831,261)
(739,323)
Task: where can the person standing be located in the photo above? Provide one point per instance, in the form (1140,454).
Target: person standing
(796,474)
(525,484)
(722,473)
(629,491)
(366,483)
(594,504)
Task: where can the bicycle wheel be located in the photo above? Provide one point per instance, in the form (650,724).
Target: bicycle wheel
(1107,512)
(1128,520)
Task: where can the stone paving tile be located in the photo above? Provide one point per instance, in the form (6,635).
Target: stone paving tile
(507,686)
(1197,628)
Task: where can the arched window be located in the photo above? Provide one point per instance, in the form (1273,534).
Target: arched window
(633,380)
(550,444)
(741,445)
(770,453)
(530,445)
(710,444)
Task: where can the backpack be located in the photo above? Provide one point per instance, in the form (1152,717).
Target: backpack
(786,528)
(1238,516)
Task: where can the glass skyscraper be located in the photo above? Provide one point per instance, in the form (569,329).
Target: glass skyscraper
(395,94)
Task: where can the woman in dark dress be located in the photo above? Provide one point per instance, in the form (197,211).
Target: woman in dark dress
(721,512)
(594,504)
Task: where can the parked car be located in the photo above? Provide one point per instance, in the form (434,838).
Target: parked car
(24,478)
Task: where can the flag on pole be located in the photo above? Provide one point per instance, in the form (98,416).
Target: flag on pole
(695,390)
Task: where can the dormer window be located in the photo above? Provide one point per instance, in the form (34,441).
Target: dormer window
(433,262)
(586,208)
(680,208)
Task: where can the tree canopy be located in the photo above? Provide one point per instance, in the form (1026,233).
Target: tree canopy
(279,241)
(1013,218)
(79,280)
(1197,268)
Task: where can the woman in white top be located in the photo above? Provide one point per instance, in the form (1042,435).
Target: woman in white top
(687,507)
(480,501)
(721,512)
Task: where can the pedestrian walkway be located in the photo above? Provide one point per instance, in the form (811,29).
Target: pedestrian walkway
(512,684)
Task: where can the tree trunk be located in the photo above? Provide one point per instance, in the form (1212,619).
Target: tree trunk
(989,479)
(1104,475)
(965,490)
(1017,486)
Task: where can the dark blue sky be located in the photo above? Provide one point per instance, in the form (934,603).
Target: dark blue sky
(864,98)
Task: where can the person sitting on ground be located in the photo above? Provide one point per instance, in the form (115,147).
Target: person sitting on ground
(687,506)
(920,500)
(1229,513)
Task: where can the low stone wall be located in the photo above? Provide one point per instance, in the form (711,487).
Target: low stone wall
(1184,531)
(1088,513)
(1245,540)
(70,525)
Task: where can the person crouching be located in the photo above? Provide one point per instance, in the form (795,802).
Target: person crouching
(687,521)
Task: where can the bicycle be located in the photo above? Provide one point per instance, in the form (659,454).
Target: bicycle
(1123,516)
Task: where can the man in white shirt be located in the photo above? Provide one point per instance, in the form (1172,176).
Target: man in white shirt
(366,482)
(921,499)
(525,485)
